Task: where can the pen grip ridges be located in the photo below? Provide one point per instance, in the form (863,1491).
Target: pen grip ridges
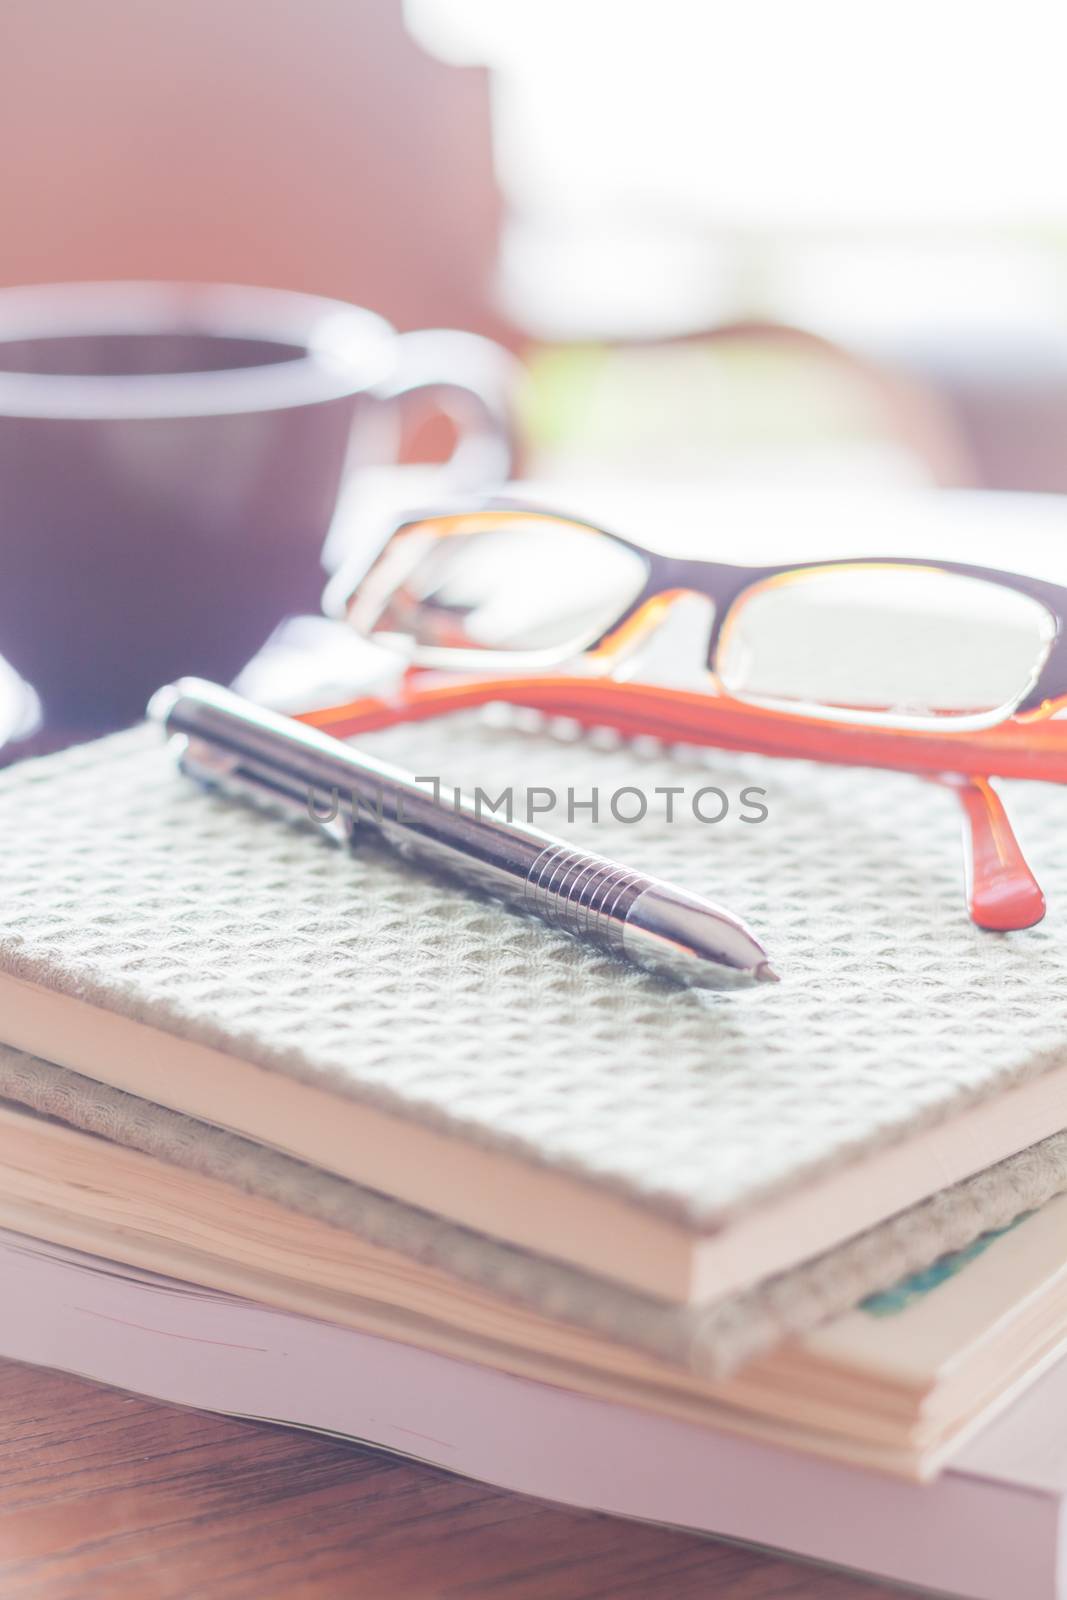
(582,894)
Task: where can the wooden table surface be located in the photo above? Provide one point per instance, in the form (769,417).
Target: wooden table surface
(104,1496)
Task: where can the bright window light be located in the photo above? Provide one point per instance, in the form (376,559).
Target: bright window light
(776,112)
(668,164)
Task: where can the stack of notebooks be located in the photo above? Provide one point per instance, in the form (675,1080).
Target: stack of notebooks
(309,1136)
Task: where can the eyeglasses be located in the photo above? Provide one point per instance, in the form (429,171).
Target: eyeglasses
(951,671)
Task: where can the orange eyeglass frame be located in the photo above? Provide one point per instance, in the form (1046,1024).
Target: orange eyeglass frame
(1029,743)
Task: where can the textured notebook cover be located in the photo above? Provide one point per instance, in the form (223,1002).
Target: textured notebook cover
(710,1342)
(125,884)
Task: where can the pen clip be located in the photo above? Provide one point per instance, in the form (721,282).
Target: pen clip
(234,773)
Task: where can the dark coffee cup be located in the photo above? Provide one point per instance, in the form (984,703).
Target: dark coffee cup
(171,457)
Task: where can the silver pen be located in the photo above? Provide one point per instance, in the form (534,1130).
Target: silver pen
(229,743)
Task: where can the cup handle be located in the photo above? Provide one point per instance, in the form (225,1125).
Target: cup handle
(474,382)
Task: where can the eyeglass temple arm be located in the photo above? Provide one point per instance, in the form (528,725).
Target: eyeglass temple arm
(1002,893)
(1032,746)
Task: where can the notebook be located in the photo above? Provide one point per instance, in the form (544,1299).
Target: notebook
(359,1015)
(991,1526)
(893,1382)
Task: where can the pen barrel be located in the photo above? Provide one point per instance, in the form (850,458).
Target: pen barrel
(576,891)
(262,756)
(629,914)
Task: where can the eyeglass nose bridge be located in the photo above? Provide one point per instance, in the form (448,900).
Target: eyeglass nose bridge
(661,619)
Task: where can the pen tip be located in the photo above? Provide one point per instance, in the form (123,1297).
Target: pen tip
(765,973)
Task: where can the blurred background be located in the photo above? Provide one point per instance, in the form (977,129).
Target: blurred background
(636,198)
(819,244)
